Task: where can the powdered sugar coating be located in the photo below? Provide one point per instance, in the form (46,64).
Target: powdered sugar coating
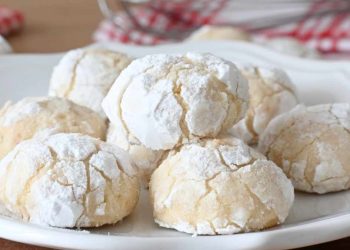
(219,186)
(271,93)
(311,145)
(165,100)
(40,116)
(68,180)
(86,75)
(145,159)
(19,111)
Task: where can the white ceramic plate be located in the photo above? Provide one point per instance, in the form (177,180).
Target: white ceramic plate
(313,219)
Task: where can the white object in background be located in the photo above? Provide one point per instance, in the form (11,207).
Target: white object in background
(212,32)
(290,46)
(5,48)
(313,218)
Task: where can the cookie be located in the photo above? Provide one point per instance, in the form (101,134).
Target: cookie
(311,145)
(46,115)
(271,93)
(85,76)
(219,186)
(68,181)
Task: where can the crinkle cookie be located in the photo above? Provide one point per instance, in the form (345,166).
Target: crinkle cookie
(163,100)
(68,180)
(219,186)
(45,115)
(210,32)
(86,75)
(311,145)
(271,93)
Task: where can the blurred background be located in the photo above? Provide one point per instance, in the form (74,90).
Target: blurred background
(305,28)
(51,26)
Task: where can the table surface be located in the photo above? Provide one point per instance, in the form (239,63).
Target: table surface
(54,26)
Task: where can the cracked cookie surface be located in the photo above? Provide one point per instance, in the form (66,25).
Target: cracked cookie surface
(271,93)
(162,101)
(219,186)
(311,145)
(39,115)
(145,159)
(68,180)
(86,75)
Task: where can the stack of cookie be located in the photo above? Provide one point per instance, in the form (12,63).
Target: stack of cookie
(183,126)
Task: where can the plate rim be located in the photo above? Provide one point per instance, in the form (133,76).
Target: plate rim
(52,237)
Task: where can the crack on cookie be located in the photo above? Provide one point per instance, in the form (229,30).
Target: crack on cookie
(199,200)
(257,198)
(119,108)
(239,166)
(64,185)
(22,197)
(162,158)
(177,89)
(104,176)
(332,178)
(234,100)
(231,223)
(296,155)
(247,164)
(249,120)
(208,189)
(222,161)
(337,119)
(276,137)
(212,227)
(227,217)
(72,83)
(108,183)
(39,171)
(88,189)
(121,169)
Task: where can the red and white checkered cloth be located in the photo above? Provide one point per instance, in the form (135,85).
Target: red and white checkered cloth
(328,34)
(174,15)
(10,20)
